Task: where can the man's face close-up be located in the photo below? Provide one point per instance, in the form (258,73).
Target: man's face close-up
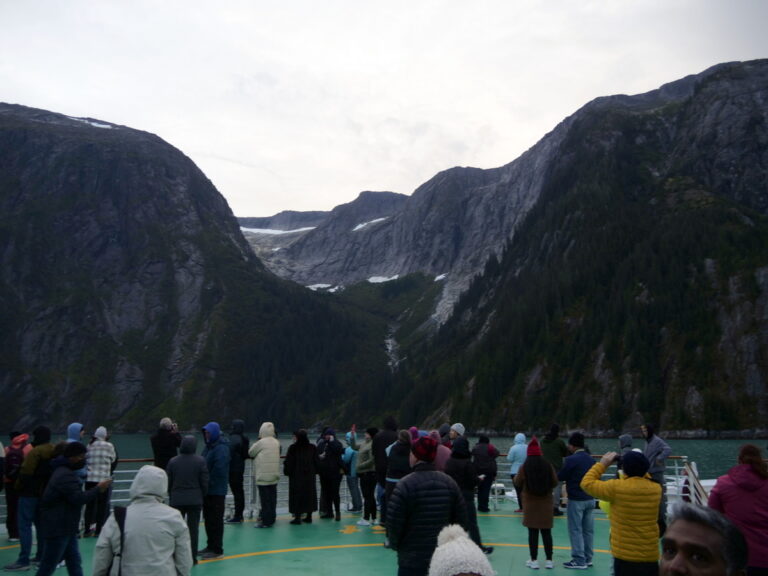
(691,549)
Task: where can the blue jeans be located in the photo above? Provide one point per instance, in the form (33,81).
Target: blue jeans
(353,484)
(29,514)
(56,549)
(581,529)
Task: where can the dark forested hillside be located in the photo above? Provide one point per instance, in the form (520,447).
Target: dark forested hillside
(636,289)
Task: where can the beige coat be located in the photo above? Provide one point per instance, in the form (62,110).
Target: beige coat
(266,456)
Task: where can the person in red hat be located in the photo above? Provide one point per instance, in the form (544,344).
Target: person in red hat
(421,504)
(537,479)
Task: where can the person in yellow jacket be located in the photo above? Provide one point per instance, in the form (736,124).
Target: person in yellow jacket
(634,510)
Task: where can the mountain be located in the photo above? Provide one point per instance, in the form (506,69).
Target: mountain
(616,271)
(128,293)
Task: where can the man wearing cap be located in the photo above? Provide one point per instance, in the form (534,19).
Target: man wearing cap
(634,511)
(580,504)
(101,460)
(422,503)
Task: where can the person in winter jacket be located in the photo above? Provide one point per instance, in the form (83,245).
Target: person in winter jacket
(366,471)
(634,513)
(657,451)
(554,450)
(60,509)
(238,453)
(742,495)
(165,442)
(266,471)
(156,539)
(484,456)
(516,456)
(216,454)
(398,466)
(329,452)
(101,460)
(463,470)
(536,478)
(421,504)
(14,458)
(349,460)
(625,445)
(187,487)
(383,439)
(301,464)
(33,478)
(581,505)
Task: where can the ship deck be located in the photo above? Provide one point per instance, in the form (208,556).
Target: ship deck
(328,547)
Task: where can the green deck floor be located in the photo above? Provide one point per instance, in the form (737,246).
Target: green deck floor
(328,547)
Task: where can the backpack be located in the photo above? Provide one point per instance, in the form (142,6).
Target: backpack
(13,460)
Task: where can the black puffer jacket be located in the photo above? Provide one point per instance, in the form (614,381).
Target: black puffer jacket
(421,505)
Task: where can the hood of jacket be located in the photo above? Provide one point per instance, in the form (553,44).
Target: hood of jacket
(460,448)
(150,481)
(188,445)
(214,432)
(519,438)
(59,461)
(746,478)
(238,427)
(267,430)
(73,432)
(19,441)
(625,441)
(41,435)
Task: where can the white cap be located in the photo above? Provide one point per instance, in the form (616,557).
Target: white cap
(457,554)
(458,428)
(101,433)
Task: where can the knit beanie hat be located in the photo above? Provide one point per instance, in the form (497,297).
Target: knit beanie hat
(458,428)
(414,433)
(533,447)
(372,431)
(457,554)
(635,464)
(101,433)
(424,449)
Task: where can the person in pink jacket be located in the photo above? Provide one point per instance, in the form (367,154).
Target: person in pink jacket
(742,495)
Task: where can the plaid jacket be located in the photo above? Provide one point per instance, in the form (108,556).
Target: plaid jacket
(99,459)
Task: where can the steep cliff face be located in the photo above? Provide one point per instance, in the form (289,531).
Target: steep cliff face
(127,289)
(635,287)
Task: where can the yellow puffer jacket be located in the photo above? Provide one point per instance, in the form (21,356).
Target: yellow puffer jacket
(634,512)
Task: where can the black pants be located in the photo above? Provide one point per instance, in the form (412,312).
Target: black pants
(484,493)
(474,531)
(268,501)
(192,516)
(533,542)
(330,486)
(97,511)
(368,487)
(624,568)
(238,493)
(213,516)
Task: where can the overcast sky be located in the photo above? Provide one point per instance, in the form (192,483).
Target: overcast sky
(303,104)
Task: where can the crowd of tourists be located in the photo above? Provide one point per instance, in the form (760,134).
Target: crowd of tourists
(424,487)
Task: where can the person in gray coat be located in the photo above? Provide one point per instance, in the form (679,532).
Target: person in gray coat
(187,485)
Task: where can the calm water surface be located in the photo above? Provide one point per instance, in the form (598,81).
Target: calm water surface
(713,457)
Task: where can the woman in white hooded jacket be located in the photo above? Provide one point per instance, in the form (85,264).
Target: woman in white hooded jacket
(156,537)
(266,471)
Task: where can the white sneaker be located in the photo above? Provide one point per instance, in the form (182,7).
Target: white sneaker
(549,565)
(363,522)
(532,564)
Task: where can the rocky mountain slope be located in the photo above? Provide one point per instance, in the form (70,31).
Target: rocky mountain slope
(127,291)
(454,222)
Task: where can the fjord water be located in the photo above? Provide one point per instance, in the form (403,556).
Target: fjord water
(713,457)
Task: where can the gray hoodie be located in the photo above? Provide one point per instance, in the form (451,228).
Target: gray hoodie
(156,536)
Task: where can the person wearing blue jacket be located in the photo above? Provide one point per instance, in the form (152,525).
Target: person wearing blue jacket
(516,457)
(349,459)
(580,504)
(216,454)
